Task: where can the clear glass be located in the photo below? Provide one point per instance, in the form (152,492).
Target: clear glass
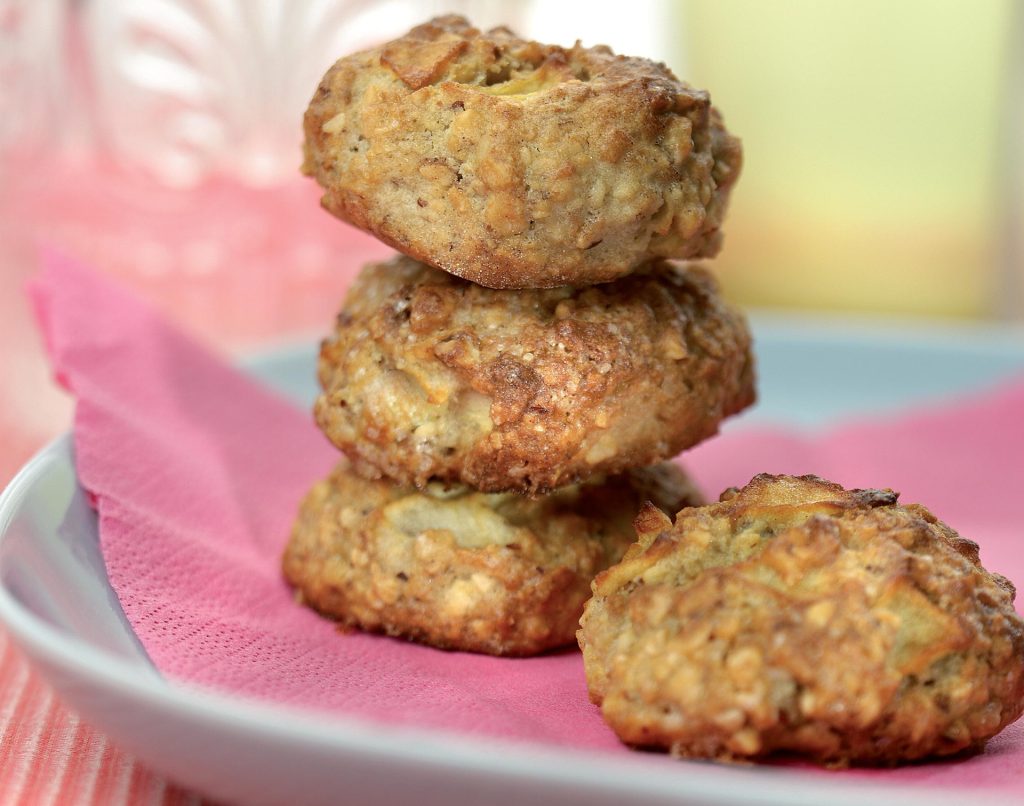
(159,141)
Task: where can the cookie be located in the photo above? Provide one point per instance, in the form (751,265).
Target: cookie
(458,569)
(798,617)
(429,377)
(520,165)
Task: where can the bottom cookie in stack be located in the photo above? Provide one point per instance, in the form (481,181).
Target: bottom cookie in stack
(455,568)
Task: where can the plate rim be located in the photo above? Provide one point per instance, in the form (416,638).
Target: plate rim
(444,749)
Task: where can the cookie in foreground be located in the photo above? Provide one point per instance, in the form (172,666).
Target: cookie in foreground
(798,617)
(458,569)
(519,165)
(430,377)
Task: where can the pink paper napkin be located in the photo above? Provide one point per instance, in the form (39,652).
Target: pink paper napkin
(196,472)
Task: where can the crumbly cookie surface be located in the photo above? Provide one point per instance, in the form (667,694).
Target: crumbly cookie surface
(458,569)
(430,377)
(519,165)
(796,616)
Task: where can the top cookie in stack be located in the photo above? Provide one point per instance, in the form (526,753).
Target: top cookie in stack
(519,165)
(484,365)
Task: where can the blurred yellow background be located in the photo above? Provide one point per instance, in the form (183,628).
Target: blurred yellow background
(884,163)
(875,139)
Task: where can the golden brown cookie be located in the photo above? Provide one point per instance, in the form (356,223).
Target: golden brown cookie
(796,616)
(519,165)
(429,377)
(457,569)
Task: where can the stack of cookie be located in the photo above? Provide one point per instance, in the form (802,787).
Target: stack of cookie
(504,391)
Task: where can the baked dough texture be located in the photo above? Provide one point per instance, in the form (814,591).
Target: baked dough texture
(430,377)
(519,165)
(458,569)
(795,616)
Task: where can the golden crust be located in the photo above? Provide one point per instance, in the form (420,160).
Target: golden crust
(519,165)
(457,569)
(431,377)
(796,616)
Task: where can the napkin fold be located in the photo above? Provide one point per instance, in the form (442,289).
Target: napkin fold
(196,471)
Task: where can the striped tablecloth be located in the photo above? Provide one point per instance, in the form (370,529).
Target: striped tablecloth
(48,756)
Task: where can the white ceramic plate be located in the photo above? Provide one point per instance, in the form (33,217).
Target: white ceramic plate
(59,607)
